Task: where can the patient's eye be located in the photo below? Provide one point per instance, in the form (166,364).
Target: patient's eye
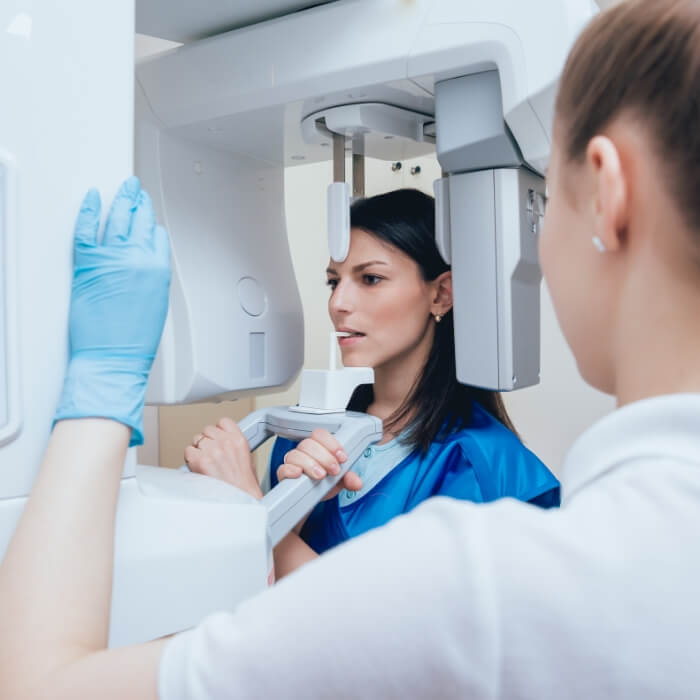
(371,280)
(332,282)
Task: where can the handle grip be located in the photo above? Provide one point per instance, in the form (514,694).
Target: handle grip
(292,499)
(255,428)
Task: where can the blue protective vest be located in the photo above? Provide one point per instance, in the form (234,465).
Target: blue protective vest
(480,463)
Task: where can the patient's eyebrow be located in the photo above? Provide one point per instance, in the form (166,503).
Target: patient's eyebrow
(357,268)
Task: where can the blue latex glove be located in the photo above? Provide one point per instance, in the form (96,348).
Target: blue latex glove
(118,306)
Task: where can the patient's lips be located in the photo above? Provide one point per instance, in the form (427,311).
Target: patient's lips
(347,337)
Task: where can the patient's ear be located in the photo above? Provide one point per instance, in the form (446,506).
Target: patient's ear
(442,294)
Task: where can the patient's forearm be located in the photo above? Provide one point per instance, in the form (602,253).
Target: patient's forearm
(56,579)
(290,554)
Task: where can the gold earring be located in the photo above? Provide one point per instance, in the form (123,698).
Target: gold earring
(438,318)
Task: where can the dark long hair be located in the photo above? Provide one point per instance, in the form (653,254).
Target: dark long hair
(437,403)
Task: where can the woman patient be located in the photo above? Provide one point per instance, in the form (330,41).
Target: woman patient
(393,295)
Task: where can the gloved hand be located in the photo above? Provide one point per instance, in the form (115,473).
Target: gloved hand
(119,302)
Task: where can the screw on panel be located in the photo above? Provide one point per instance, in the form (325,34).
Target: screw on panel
(395,167)
(416,170)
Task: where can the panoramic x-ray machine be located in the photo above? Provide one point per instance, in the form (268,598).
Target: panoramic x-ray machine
(258,85)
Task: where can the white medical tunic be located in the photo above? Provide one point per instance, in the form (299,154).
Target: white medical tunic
(599,599)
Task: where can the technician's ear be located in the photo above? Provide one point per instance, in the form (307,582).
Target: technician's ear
(442,294)
(610,192)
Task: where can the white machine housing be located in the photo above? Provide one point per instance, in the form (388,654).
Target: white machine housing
(478,78)
(217,121)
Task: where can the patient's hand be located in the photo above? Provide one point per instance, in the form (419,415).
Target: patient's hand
(222,452)
(317,456)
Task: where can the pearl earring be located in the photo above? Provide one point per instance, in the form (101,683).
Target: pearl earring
(600,246)
(438,318)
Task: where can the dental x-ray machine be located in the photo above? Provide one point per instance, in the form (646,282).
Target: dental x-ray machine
(259,85)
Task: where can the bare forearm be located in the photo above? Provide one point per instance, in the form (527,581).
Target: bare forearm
(291,553)
(55,581)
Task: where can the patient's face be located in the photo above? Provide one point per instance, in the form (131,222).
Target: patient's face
(378,294)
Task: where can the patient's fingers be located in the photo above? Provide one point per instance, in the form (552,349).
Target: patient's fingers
(231,438)
(324,438)
(321,457)
(351,481)
(213,433)
(228,425)
(308,464)
(318,455)
(289,471)
(202,463)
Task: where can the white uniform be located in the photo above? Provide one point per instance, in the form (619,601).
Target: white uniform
(598,599)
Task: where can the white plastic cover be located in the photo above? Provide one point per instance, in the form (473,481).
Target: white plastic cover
(339,220)
(179,20)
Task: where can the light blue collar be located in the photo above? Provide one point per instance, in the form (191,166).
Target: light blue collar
(374,464)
